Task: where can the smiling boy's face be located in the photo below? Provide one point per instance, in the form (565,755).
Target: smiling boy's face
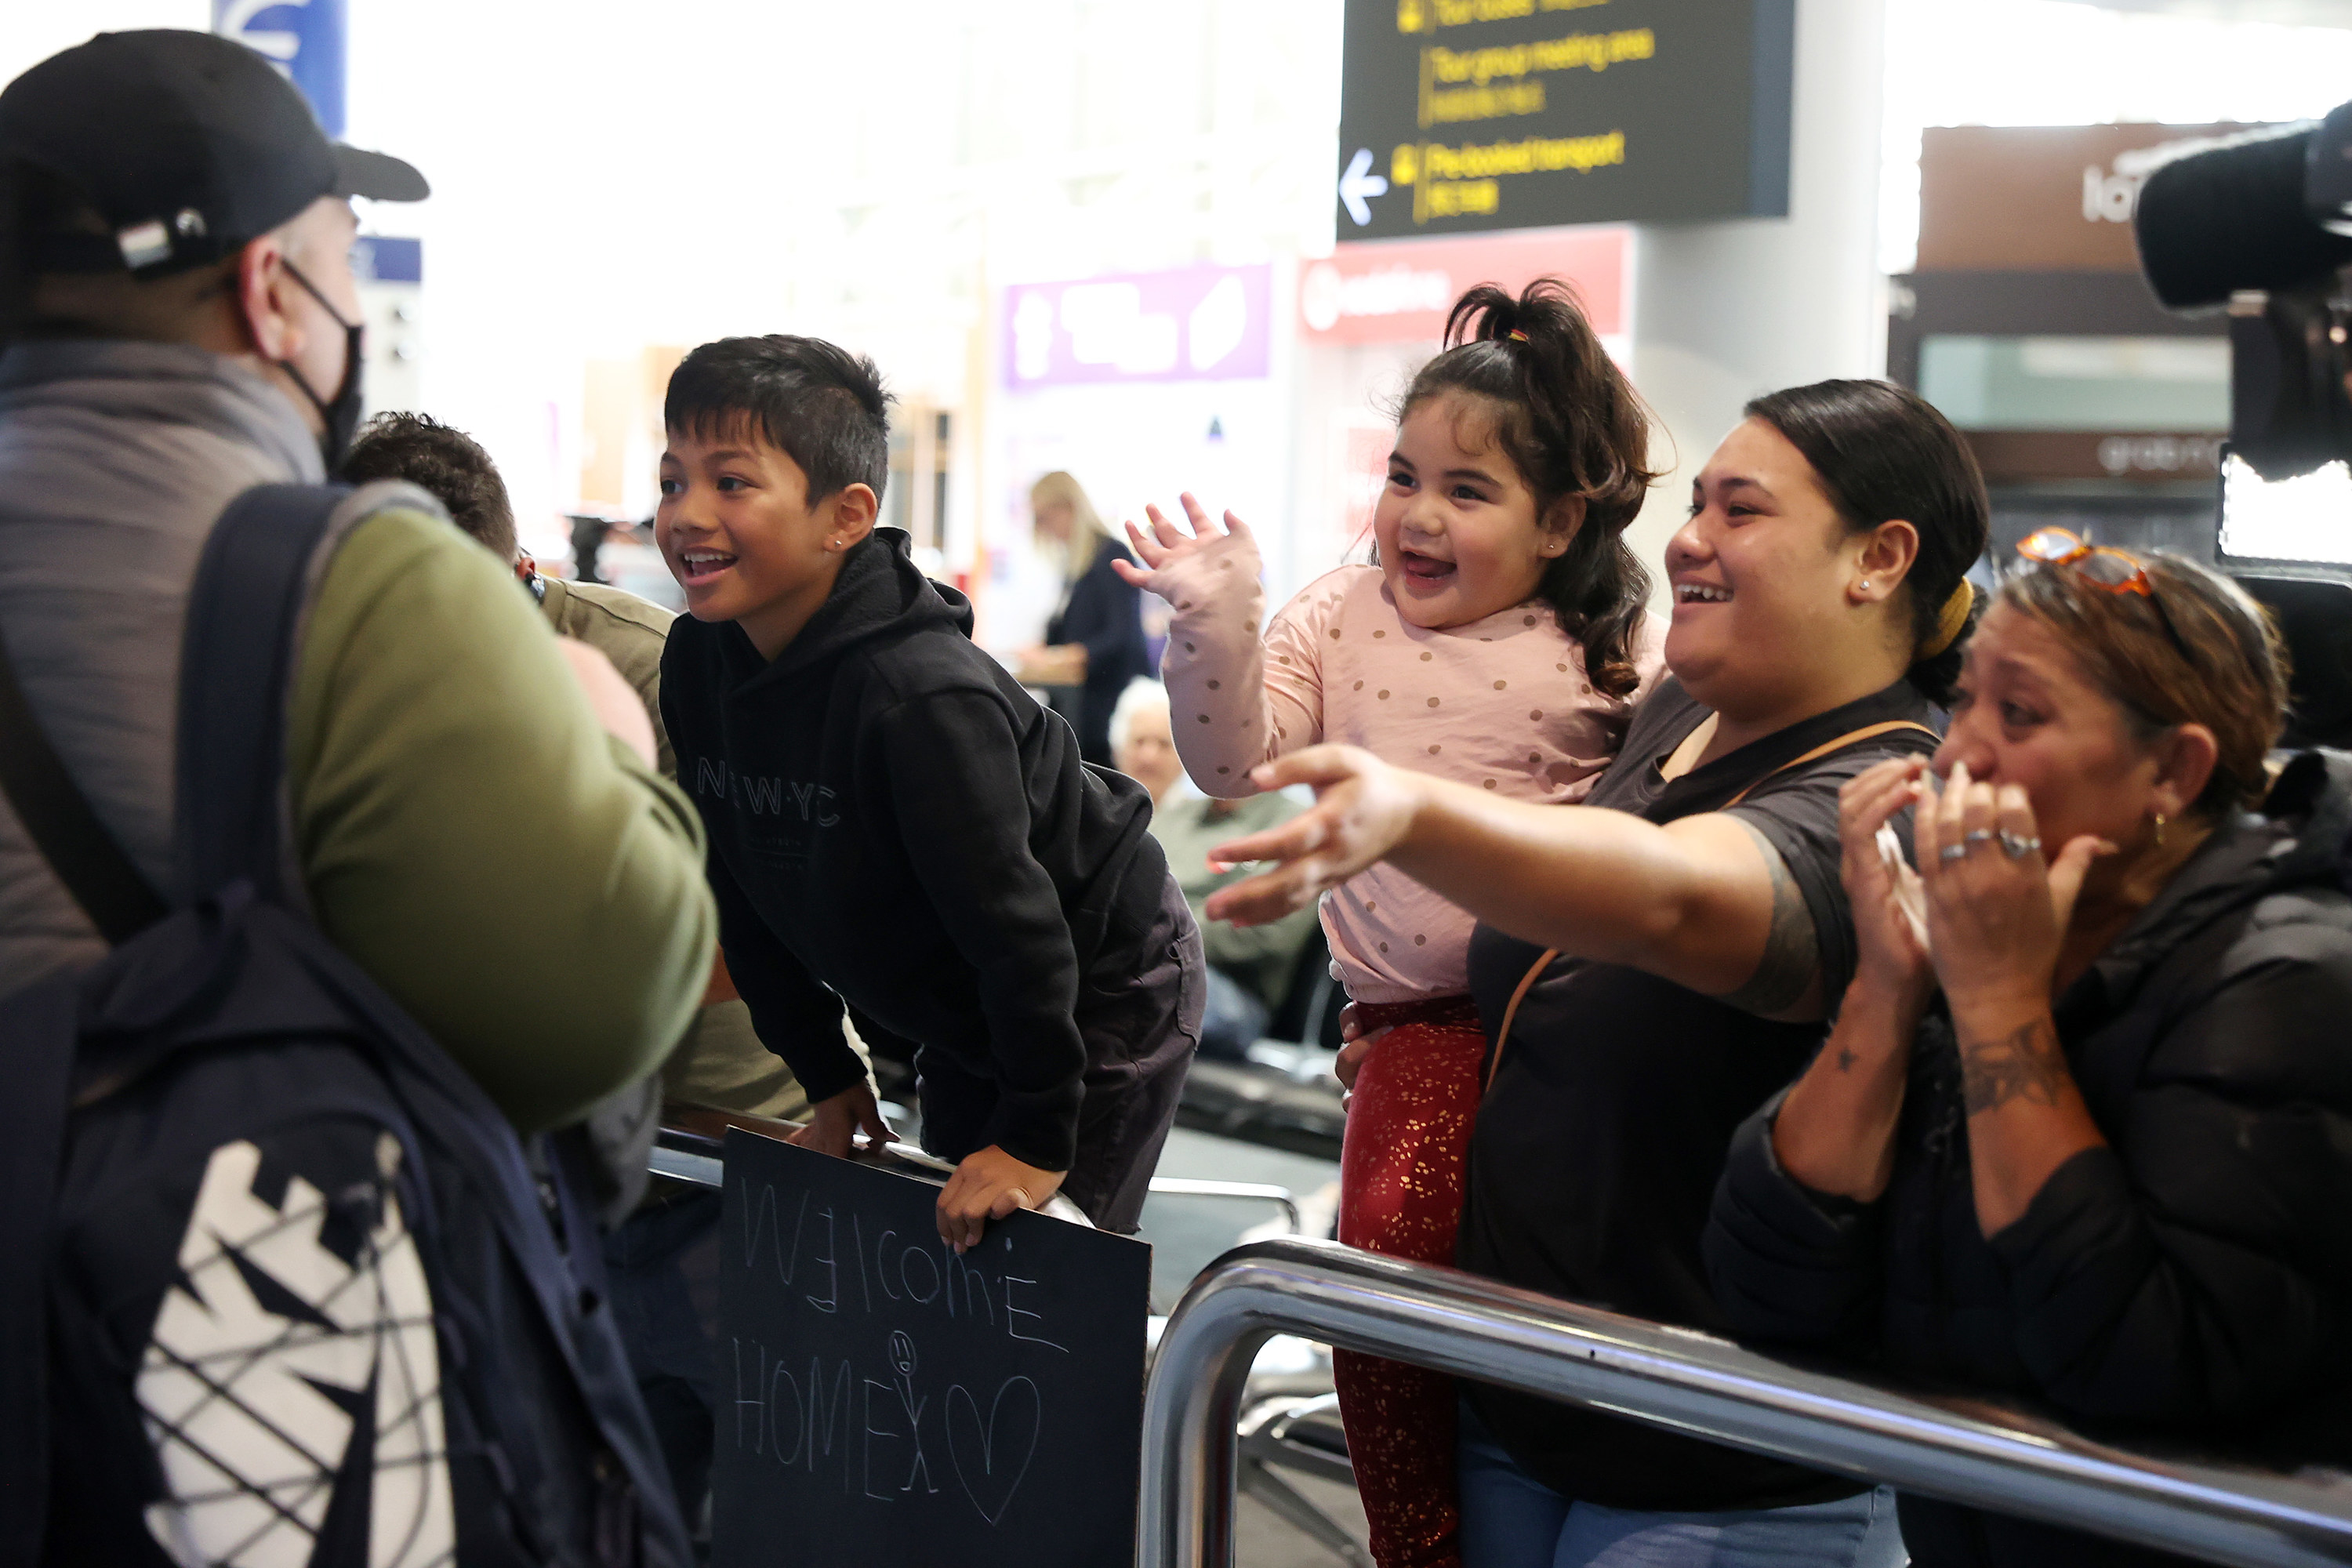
(743,539)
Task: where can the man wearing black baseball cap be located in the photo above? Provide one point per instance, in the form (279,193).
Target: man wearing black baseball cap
(154,156)
(474,805)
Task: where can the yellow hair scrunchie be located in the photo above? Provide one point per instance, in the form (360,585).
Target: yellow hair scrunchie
(1950,620)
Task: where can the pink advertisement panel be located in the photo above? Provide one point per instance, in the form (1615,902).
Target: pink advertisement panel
(1195,324)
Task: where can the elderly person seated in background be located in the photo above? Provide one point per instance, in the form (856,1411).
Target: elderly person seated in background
(2083,1128)
(1250,967)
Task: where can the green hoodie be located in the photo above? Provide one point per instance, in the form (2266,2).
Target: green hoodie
(516,878)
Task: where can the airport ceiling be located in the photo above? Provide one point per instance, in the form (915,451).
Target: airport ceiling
(2291,13)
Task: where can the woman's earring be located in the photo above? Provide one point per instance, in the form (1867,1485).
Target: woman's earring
(2159,829)
(1865,582)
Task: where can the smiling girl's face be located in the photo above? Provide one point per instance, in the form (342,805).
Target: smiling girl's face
(1461,535)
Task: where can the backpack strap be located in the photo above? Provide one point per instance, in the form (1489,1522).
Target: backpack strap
(62,824)
(236,668)
(36,1037)
(1543,960)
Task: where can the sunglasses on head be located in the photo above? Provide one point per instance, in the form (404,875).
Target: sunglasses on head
(2116,570)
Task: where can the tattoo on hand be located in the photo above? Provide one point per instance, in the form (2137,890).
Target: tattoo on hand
(2025,1064)
(1791,960)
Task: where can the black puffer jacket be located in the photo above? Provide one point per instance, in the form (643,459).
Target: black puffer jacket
(2194,1276)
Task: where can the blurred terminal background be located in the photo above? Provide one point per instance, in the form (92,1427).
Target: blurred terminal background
(1145,243)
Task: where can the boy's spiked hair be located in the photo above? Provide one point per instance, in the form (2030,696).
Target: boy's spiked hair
(819,404)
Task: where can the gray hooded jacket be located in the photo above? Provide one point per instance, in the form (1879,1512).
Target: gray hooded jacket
(115,460)
(463,825)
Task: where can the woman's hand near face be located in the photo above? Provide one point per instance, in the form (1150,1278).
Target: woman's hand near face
(1363,808)
(1164,545)
(1835,1131)
(1888,948)
(1996,919)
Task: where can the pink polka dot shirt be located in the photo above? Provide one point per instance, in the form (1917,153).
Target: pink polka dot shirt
(1501,703)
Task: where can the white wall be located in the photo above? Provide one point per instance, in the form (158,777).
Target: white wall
(1723,312)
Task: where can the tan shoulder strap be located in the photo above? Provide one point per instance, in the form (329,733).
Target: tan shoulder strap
(1519,994)
(1851,738)
(1535,970)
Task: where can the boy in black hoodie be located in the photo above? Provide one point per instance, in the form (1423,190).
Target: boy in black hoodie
(896,823)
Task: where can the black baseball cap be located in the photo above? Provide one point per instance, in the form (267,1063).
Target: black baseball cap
(189,145)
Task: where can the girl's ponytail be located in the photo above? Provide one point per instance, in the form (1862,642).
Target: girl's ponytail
(1567,417)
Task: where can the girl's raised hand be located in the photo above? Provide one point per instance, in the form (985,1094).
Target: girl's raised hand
(1363,808)
(1165,543)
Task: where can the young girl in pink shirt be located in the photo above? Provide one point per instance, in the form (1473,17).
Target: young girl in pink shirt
(1500,639)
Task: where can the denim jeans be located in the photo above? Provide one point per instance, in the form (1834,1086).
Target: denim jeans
(1510,1519)
(661,1267)
(1233,1020)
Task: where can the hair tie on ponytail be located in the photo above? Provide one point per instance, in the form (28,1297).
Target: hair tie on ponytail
(1515,335)
(1951,619)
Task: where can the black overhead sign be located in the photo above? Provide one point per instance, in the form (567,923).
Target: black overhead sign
(882,1400)
(1465,115)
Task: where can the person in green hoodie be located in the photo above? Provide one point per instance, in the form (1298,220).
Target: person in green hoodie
(894,823)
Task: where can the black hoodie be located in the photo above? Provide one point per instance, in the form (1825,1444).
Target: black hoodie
(892,817)
(2191,1277)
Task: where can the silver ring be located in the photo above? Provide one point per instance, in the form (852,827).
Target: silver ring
(1951,852)
(2018,845)
(1977,835)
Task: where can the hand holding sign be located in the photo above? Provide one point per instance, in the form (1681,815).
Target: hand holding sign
(990,1184)
(835,1121)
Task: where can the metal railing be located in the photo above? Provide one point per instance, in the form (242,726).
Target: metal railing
(687,1150)
(1965,1451)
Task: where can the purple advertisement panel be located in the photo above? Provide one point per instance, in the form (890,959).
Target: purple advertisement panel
(1196,323)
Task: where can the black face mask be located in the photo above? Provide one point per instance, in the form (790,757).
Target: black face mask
(342,412)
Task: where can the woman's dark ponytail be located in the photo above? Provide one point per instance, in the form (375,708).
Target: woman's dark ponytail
(1566,416)
(1882,453)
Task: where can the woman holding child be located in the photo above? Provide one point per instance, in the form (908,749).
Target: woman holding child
(1651,972)
(1499,639)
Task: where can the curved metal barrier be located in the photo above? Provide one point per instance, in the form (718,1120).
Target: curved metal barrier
(1966,1451)
(686,1149)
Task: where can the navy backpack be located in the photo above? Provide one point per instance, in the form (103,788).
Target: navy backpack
(277,1281)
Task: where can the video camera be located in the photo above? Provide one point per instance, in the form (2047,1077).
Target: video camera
(2262,225)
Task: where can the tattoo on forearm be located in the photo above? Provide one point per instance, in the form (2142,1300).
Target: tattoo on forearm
(2025,1064)
(1791,961)
(1846,1058)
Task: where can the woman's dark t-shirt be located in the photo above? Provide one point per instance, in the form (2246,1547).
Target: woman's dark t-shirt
(1605,1125)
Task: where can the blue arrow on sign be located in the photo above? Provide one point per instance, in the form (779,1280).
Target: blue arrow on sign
(1359,184)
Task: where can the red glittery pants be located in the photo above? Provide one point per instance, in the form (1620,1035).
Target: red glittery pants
(1401,1193)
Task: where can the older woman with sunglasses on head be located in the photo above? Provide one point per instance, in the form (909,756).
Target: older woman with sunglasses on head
(2082,1127)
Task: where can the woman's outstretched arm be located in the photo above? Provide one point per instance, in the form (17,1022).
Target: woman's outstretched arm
(1705,901)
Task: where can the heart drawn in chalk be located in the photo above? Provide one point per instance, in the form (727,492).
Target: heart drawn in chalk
(991,1459)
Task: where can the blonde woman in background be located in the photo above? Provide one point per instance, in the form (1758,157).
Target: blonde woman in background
(1094,640)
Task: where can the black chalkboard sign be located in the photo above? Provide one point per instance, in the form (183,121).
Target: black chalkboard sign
(884,1401)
